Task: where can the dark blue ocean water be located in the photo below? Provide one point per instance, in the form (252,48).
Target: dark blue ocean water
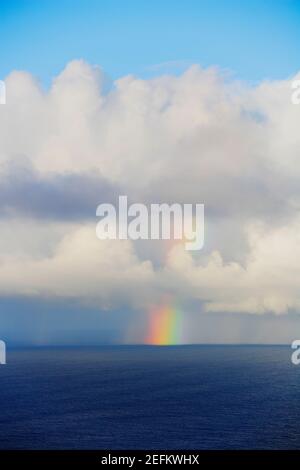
(203,397)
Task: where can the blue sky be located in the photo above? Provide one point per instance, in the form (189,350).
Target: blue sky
(254,39)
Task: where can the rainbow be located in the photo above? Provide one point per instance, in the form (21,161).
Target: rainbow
(165,326)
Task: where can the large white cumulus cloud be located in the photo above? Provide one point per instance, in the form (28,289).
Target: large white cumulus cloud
(200,138)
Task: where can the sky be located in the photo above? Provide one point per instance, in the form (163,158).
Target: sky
(253,39)
(164,102)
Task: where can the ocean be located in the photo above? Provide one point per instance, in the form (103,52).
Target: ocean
(140,397)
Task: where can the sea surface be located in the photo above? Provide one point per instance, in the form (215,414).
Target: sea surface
(139,397)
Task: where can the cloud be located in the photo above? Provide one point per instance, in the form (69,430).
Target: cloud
(268,281)
(198,137)
(66,196)
(79,267)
